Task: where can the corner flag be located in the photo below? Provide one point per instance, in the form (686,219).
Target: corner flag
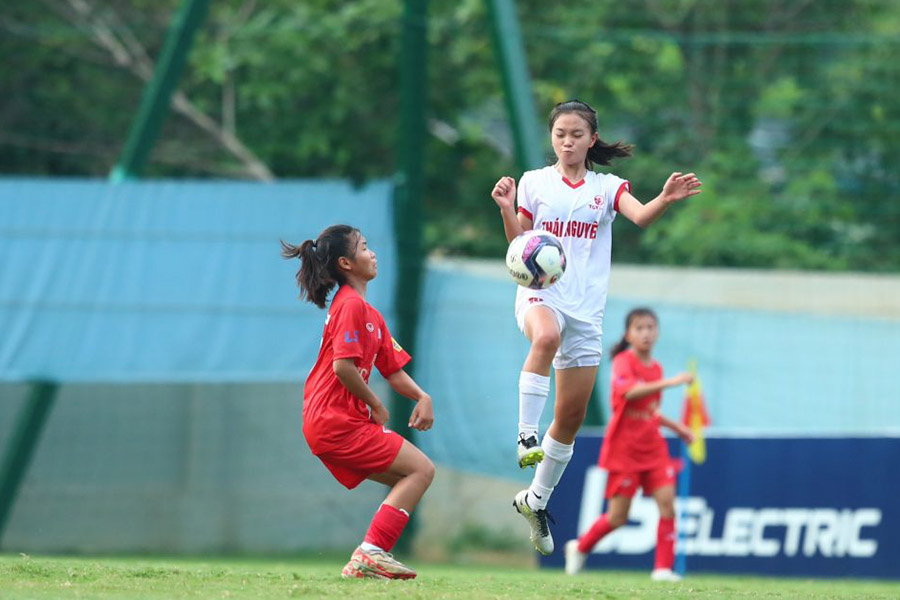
(694,415)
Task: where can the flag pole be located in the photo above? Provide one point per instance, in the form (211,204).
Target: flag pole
(691,418)
(684,485)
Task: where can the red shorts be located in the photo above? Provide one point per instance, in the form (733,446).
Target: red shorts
(626,483)
(370,450)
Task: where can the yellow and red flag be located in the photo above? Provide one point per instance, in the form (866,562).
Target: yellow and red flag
(694,415)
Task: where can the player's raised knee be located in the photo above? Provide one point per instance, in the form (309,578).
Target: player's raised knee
(545,342)
(426,470)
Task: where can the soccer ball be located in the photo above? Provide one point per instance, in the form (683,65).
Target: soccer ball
(536,259)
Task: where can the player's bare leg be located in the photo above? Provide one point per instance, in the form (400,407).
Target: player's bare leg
(577,550)
(665,536)
(573,392)
(408,477)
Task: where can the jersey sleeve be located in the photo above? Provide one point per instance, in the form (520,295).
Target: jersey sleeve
(623,376)
(349,322)
(617,186)
(524,197)
(391,357)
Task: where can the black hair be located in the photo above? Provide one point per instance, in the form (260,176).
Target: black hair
(319,271)
(633,314)
(601,152)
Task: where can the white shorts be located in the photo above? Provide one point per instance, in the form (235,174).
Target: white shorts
(581,342)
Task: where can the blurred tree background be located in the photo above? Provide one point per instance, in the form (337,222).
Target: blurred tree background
(789,110)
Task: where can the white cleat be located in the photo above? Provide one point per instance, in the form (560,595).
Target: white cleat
(574,559)
(529,451)
(537,520)
(665,575)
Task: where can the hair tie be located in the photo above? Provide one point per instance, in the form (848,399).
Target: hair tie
(315,246)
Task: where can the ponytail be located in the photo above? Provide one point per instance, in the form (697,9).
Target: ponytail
(319,272)
(621,346)
(633,314)
(601,152)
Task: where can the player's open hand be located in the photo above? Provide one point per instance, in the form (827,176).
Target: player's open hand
(680,186)
(504,192)
(685,434)
(684,377)
(422,417)
(380,414)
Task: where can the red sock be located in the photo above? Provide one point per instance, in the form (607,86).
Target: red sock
(665,544)
(593,535)
(386,527)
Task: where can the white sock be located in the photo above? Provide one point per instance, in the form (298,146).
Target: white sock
(533,392)
(549,471)
(371,547)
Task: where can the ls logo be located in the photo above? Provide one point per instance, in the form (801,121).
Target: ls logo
(351,339)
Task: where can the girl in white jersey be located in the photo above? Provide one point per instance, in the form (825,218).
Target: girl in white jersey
(564,322)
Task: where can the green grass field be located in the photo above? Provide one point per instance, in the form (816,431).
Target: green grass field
(85,577)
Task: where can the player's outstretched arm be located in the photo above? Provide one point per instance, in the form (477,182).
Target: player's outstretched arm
(677,187)
(651,387)
(422,417)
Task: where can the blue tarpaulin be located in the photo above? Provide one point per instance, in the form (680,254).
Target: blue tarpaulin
(166,281)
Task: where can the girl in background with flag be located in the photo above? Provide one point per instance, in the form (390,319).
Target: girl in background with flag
(634,452)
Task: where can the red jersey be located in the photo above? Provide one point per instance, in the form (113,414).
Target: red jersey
(353,329)
(633,441)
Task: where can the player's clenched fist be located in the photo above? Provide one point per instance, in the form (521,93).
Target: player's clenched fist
(504,192)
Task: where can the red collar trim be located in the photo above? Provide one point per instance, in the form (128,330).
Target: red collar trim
(574,186)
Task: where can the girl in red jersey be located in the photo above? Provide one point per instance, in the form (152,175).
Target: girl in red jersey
(634,453)
(343,419)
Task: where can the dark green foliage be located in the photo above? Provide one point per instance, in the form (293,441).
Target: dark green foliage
(789,111)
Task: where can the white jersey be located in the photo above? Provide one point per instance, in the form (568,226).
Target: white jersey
(581,215)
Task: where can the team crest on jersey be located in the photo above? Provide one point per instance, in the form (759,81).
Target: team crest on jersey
(396,345)
(597,202)
(370,328)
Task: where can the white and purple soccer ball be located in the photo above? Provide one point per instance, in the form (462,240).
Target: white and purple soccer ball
(536,259)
